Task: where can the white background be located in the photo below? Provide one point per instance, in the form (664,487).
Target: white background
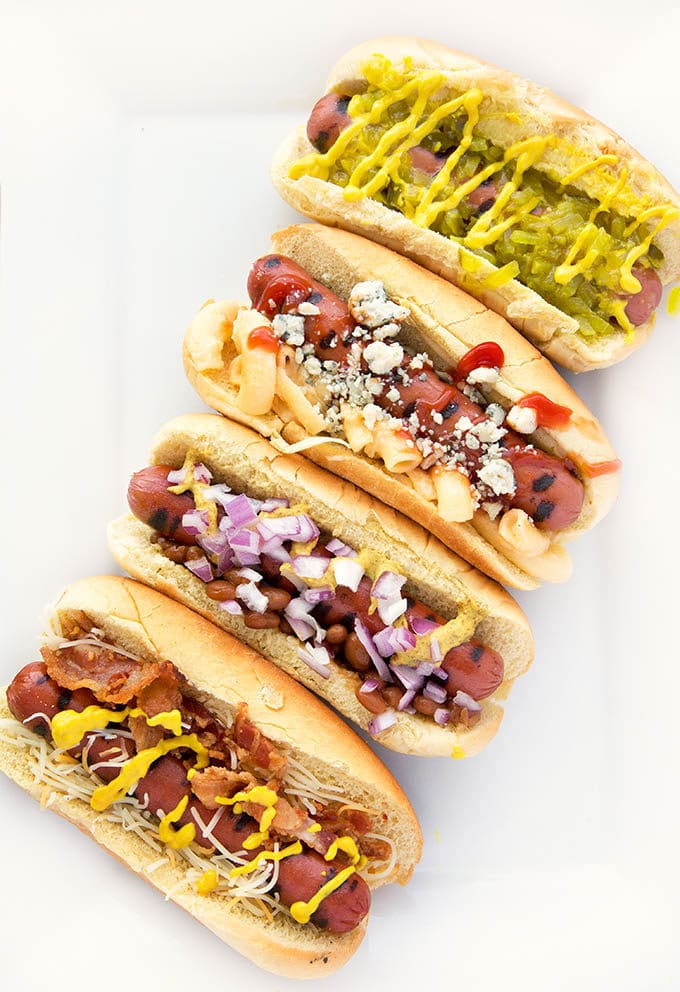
(135,140)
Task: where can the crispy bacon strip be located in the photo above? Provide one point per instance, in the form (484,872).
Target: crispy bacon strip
(161,695)
(214,781)
(257,748)
(113,677)
(144,735)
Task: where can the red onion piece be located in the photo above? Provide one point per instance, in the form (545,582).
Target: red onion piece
(219,493)
(420,625)
(442,716)
(388,585)
(245,540)
(409,677)
(425,668)
(310,566)
(250,574)
(298,527)
(435,650)
(406,700)
(467,702)
(440,673)
(437,693)
(390,610)
(240,511)
(274,503)
(369,685)
(177,476)
(317,657)
(231,606)
(391,640)
(381,722)
(348,573)
(366,640)
(252,597)
(202,473)
(318,595)
(195,521)
(201,569)
(339,549)
(214,544)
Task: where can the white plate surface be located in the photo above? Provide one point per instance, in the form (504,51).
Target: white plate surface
(135,144)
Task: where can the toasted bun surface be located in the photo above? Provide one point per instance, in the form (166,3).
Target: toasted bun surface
(247,462)
(224,672)
(520,109)
(446,323)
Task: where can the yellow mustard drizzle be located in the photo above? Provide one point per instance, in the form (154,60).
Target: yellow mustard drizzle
(470,101)
(136,768)
(193,486)
(570,268)
(629,283)
(315,828)
(581,170)
(674,301)
(347,845)
(285,852)
(525,153)
(207,883)
(392,145)
(176,839)
(69,726)
(457,752)
(302,911)
(262,795)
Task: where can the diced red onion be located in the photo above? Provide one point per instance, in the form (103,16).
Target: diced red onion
(245,540)
(277,554)
(406,700)
(195,521)
(462,699)
(298,527)
(202,473)
(381,722)
(317,657)
(274,503)
(297,613)
(411,710)
(240,511)
(214,544)
(177,476)
(310,566)
(435,650)
(339,549)
(348,573)
(390,610)
(391,640)
(219,493)
(425,668)
(247,558)
(252,597)
(369,685)
(442,716)
(231,606)
(408,677)
(420,625)
(318,595)
(440,673)
(437,693)
(366,640)
(250,574)
(388,585)
(201,568)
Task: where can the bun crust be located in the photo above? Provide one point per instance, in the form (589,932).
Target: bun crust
(446,322)
(242,459)
(537,111)
(224,672)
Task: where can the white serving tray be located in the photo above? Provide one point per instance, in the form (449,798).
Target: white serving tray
(135,144)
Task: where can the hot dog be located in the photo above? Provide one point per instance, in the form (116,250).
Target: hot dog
(436,406)
(536,209)
(199,778)
(338,596)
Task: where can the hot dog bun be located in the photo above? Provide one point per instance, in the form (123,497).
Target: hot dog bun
(245,461)
(226,672)
(520,109)
(445,322)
